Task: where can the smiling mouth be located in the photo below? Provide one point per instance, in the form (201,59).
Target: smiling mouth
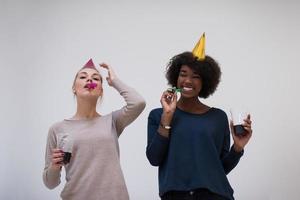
(187,89)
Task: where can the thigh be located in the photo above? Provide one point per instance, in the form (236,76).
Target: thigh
(207,195)
(200,194)
(177,196)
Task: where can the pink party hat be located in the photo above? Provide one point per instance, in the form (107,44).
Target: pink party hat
(89,64)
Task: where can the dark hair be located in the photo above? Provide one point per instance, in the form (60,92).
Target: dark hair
(208,69)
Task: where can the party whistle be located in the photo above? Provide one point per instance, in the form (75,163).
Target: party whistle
(91,85)
(174,89)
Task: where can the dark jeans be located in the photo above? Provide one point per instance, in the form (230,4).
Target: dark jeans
(198,194)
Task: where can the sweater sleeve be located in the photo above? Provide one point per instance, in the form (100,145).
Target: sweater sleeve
(157,145)
(135,104)
(51,177)
(229,156)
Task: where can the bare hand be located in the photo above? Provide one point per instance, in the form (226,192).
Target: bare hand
(57,159)
(241,141)
(168,101)
(111,73)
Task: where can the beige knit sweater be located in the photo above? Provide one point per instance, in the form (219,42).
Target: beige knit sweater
(94,171)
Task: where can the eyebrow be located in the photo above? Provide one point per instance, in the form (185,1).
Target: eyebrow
(182,70)
(185,71)
(85,73)
(82,73)
(96,74)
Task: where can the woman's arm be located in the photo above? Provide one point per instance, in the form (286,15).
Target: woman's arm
(135,104)
(158,141)
(159,127)
(229,156)
(51,174)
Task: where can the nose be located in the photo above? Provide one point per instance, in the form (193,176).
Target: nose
(89,80)
(187,80)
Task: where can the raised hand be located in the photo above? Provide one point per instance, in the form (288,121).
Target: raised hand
(168,101)
(111,73)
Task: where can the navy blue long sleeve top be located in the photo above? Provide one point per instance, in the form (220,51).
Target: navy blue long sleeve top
(197,153)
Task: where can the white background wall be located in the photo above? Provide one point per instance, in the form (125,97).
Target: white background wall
(44,43)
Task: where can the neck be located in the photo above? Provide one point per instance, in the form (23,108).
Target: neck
(86,109)
(192,105)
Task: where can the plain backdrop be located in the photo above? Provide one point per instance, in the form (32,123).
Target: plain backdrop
(44,43)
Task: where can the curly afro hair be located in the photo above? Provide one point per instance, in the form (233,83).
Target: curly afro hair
(208,69)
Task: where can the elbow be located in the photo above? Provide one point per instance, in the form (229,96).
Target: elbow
(227,168)
(137,104)
(227,171)
(141,104)
(155,164)
(50,186)
(152,160)
(140,101)
(49,181)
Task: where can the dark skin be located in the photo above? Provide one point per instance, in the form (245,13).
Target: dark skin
(191,85)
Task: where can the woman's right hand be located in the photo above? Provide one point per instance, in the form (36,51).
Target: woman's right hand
(168,101)
(57,159)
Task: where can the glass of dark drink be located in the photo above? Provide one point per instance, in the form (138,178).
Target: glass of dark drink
(67,157)
(65,143)
(237,117)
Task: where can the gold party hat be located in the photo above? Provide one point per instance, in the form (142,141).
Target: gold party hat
(199,49)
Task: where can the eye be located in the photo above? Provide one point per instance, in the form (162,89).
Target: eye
(96,79)
(82,77)
(182,74)
(197,77)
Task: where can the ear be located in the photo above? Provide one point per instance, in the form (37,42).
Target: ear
(73,89)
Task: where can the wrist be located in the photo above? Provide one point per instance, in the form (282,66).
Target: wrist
(168,112)
(165,126)
(237,148)
(55,167)
(167,116)
(163,132)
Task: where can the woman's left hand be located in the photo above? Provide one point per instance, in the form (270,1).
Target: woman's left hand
(111,73)
(241,141)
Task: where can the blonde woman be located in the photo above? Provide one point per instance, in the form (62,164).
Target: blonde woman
(93,170)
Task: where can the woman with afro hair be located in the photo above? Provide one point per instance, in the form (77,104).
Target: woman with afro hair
(190,141)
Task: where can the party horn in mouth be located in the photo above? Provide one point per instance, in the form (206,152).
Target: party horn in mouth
(91,85)
(174,89)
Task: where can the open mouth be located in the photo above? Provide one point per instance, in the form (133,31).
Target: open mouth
(187,89)
(90,86)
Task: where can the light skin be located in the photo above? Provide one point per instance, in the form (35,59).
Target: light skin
(86,101)
(191,85)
